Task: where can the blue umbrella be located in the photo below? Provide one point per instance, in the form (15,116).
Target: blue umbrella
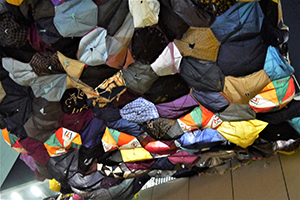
(75,18)
(240,21)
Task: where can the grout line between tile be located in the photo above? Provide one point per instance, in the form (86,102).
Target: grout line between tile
(287,191)
(232,189)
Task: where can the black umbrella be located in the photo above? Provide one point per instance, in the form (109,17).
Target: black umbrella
(201,74)
(241,58)
(16,107)
(147,44)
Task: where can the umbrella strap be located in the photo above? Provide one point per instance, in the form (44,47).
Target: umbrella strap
(294,77)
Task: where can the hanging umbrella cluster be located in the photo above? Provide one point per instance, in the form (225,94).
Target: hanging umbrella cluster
(104,95)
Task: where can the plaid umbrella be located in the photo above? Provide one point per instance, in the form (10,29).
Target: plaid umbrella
(240,21)
(75,18)
(12,141)
(199,43)
(92,47)
(12,33)
(62,141)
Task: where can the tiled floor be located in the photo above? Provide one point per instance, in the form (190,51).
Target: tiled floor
(276,178)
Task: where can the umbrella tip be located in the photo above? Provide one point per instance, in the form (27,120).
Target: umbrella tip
(192,45)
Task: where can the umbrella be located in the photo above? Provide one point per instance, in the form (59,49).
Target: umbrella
(21,73)
(202,75)
(276,65)
(37,9)
(111,15)
(92,133)
(242,133)
(274,96)
(175,28)
(50,87)
(216,7)
(242,20)
(192,14)
(75,18)
(128,127)
(177,108)
(168,61)
(121,60)
(58,2)
(183,157)
(2,93)
(201,139)
(3,7)
(72,67)
(144,12)
(295,123)
(240,90)
(213,101)
(198,118)
(241,58)
(77,121)
(12,33)
(46,63)
(73,101)
(16,107)
(167,88)
(139,77)
(62,141)
(92,47)
(147,44)
(161,147)
(139,111)
(286,113)
(121,39)
(113,139)
(14,2)
(237,112)
(199,43)
(12,141)
(47,31)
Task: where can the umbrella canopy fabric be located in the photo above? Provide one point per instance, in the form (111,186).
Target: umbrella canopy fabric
(73,101)
(286,113)
(242,133)
(202,75)
(177,108)
(50,87)
(113,139)
(72,67)
(128,127)
(16,107)
(57,2)
(175,28)
(14,2)
(199,140)
(121,60)
(241,58)
(183,157)
(46,63)
(147,44)
(240,21)
(12,34)
(168,62)
(35,9)
(213,101)
(240,90)
(274,96)
(139,77)
(199,42)
(198,118)
(77,121)
(92,134)
(2,93)
(295,123)
(121,39)
(276,65)
(237,112)
(192,14)
(161,147)
(12,141)
(92,47)
(47,31)
(144,12)
(62,141)
(111,15)
(139,111)
(75,18)
(21,73)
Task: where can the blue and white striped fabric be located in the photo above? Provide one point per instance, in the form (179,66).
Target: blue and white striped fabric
(139,111)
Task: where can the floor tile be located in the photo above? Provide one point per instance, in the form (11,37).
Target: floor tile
(258,182)
(173,190)
(211,186)
(291,170)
